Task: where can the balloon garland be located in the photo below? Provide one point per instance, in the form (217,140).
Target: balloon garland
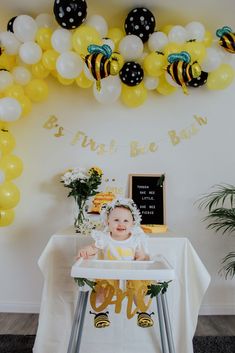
(84,52)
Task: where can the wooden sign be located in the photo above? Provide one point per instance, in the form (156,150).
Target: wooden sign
(148,193)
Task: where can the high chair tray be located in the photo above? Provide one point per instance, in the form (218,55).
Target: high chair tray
(158,269)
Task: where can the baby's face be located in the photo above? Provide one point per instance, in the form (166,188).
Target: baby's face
(120,222)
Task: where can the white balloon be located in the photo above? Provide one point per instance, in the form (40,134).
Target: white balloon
(151,82)
(98,22)
(157,41)
(69,65)
(2,176)
(177,34)
(212,60)
(45,20)
(6,79)
(109,42)
(9,42)
(110,90)
(195,30)
(61,40)
(21,75)
(10,109)
(131,47)
(25,28)
(30,53)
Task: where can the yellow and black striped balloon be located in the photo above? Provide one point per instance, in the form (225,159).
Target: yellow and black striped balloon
(99,65)
(144,320)
(183,72)
(101,320)
(227,41)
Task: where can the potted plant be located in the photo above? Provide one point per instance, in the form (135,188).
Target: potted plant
(220,204)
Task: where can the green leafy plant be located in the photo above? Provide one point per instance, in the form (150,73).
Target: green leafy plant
(220,204)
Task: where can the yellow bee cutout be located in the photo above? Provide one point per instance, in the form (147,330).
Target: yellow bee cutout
(181,70)
(102,62)
(227,38)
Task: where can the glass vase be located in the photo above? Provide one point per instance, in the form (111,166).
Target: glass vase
(79,219)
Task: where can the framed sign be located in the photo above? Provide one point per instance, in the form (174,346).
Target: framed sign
(148,193)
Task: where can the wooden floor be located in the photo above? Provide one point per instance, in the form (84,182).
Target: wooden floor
(26,324)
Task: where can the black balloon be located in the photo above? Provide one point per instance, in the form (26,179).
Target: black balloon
(10,24)
(141,22)
(131,73)
(70,14)
(199,81)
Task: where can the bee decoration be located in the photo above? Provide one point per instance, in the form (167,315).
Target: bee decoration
(102,62)
(227,38)
(180,69)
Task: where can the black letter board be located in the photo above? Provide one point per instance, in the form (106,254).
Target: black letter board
(147,191)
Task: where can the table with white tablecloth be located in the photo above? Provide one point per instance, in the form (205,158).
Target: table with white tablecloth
(60,292)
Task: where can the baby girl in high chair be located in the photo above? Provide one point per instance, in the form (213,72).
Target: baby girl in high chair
(122,239)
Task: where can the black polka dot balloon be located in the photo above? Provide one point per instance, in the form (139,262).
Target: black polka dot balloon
(131,73)
(141,22)
(199,81)
(70,14)
(10,24)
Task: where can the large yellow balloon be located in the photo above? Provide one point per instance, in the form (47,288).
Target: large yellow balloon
(11,165)
(14,91)
(133,96)
(166,29)
(43,38)
(164,87)
(9,195)
(172,48)
(208,38)
(7,141)
(221,78)
(6,217)
(7,61)
(26,105)
(196,49)
(83,82)
(84,36)
(116,34)
(39,70)
(154,64)
(49,58)
(37,90)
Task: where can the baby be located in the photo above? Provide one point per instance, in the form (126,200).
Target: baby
(122,239)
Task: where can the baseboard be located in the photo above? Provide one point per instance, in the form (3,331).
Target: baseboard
(25,307)
(217,309)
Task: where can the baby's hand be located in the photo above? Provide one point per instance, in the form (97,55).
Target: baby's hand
(141,256)
(86,252)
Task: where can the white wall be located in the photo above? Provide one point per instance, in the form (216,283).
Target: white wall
(191,168)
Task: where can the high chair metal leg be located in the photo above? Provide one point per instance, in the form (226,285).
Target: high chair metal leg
(78,321)
(164,324)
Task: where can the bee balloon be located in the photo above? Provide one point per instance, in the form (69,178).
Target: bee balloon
(227,38)
(181,70)
(101,62)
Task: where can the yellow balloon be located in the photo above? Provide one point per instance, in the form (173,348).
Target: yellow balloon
(84,36)
(166,29)
(43,38)
(7,61)
(83,82)
(26,105)
(14,91)
(9,195)
(65,81)
(116,34)
(37,90)
(133,96)
(171,48)
(154,64)
(6,217)
(197,51)
(39,70)
(12,166)
(49,58)
(7,141)
(164,87)
(208,38)
(221,78)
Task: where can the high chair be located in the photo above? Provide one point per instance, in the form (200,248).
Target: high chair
(157,269)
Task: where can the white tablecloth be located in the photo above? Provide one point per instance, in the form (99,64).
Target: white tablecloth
(123,336)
